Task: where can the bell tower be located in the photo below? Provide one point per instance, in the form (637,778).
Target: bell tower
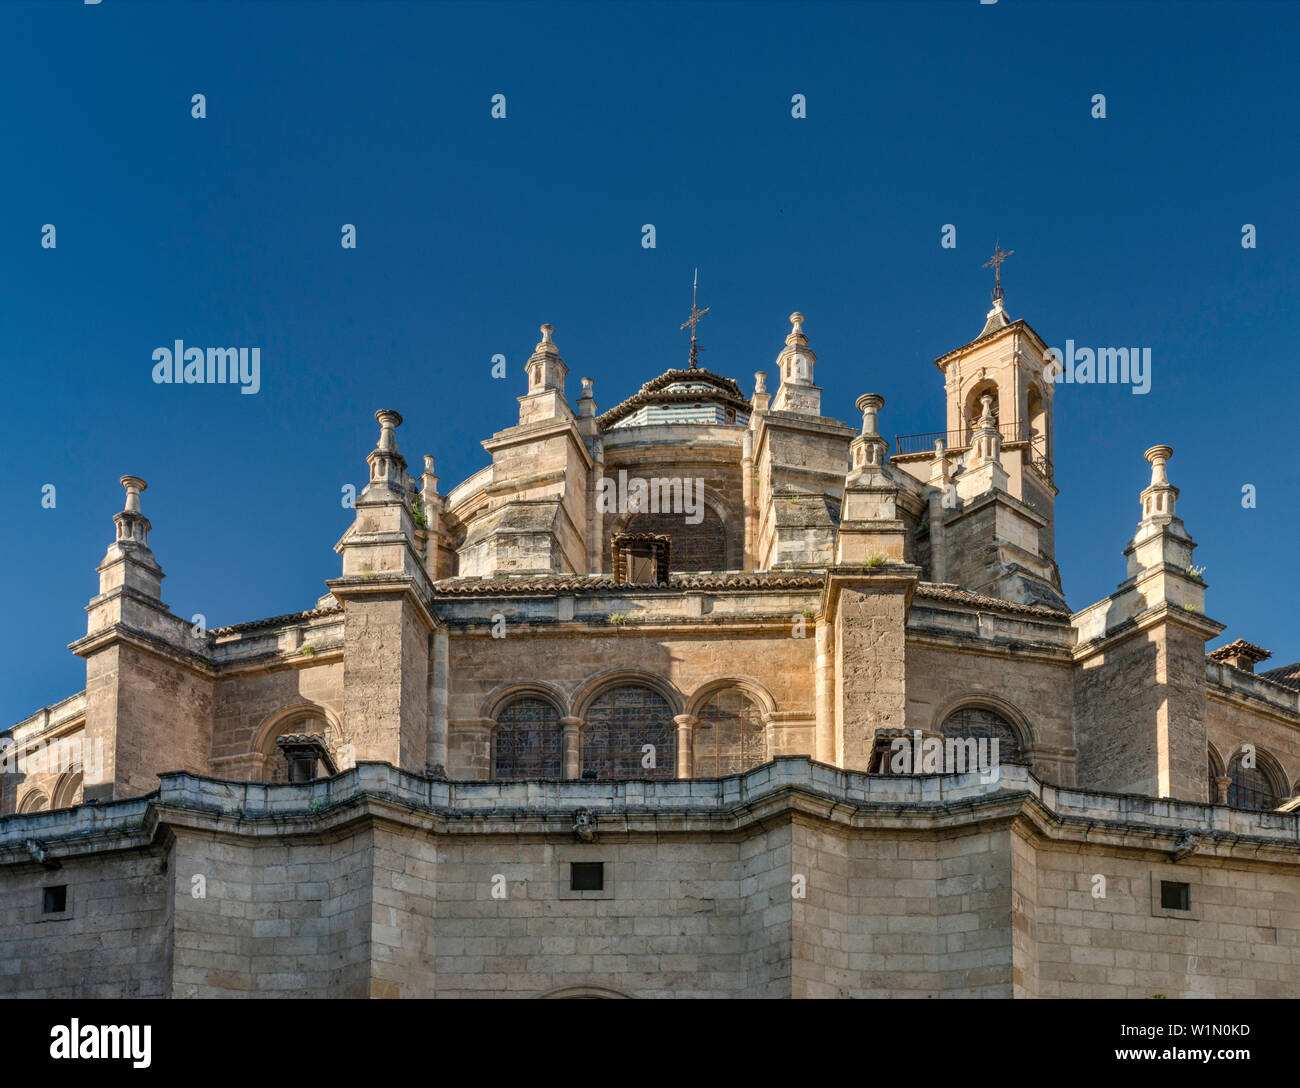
(1002,375)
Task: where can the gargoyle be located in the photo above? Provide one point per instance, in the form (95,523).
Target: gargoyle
(584,825)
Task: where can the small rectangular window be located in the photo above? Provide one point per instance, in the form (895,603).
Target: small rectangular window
(302,768)
(587,876)
(54,900)
(1175,896)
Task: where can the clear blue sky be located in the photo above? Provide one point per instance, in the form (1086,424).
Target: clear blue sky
(473,231)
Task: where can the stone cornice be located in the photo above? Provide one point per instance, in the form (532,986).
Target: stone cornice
(279,661)
(533,432)
(52,717)
(517,484)
(1020,325)
(416,589)
(792,421)
(143,640)
(677,627)
(992,497)
(890,578)
(119,592)
(1010,649)
(1163,612)
(789,788)
(1285,715)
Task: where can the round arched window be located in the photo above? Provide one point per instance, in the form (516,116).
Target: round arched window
(36,801)
(730,736)
(1250,786)
(1216,772)
(68,791)
(630,733)
(527,743)
(982,724)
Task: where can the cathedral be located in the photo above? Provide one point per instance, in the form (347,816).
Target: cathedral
(708,694)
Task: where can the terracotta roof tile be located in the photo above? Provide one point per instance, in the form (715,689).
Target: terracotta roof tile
(944,592)
(1241,648)
(569,583)
(522,585)
(275,621)
(1288,676)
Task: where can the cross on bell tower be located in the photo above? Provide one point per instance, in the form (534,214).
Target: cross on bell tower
(995,263)
(694,320)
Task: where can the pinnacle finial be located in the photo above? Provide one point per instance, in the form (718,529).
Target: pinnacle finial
(134,485)
(132,526)
(1159,456)
(869,404)
(546,331)
(796,337)
(388,421)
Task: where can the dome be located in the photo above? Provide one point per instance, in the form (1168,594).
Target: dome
(685,395)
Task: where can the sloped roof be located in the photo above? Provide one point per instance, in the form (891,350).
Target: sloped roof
(572,583)
(988,334)
(1288,676)
(276,621)
(656,392)
(997,320)
(937,591)
(1240,648)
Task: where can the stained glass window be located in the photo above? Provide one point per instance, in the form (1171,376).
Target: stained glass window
(528,741)
(1250,787)
(619,726)
(730,736)
(982,724)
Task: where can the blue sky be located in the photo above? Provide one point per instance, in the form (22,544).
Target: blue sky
(472,231)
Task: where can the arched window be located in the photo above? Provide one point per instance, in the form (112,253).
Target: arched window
(1039,439)
(974,408)
(619,725)
(730,736)
(68,790)
(527,743)
(36,801)
(695,545)
(984,724)
(278,762)
(1251,787)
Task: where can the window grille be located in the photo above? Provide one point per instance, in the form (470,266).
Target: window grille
(1250,787)
(729,736)
(619,725)
(528,741)
(982,724)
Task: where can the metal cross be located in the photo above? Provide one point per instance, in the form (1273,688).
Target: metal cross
(995,263)
(694,319)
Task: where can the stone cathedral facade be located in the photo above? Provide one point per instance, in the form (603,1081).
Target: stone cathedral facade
(646,707)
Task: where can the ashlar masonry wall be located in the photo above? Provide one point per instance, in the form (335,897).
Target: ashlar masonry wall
(795,879)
